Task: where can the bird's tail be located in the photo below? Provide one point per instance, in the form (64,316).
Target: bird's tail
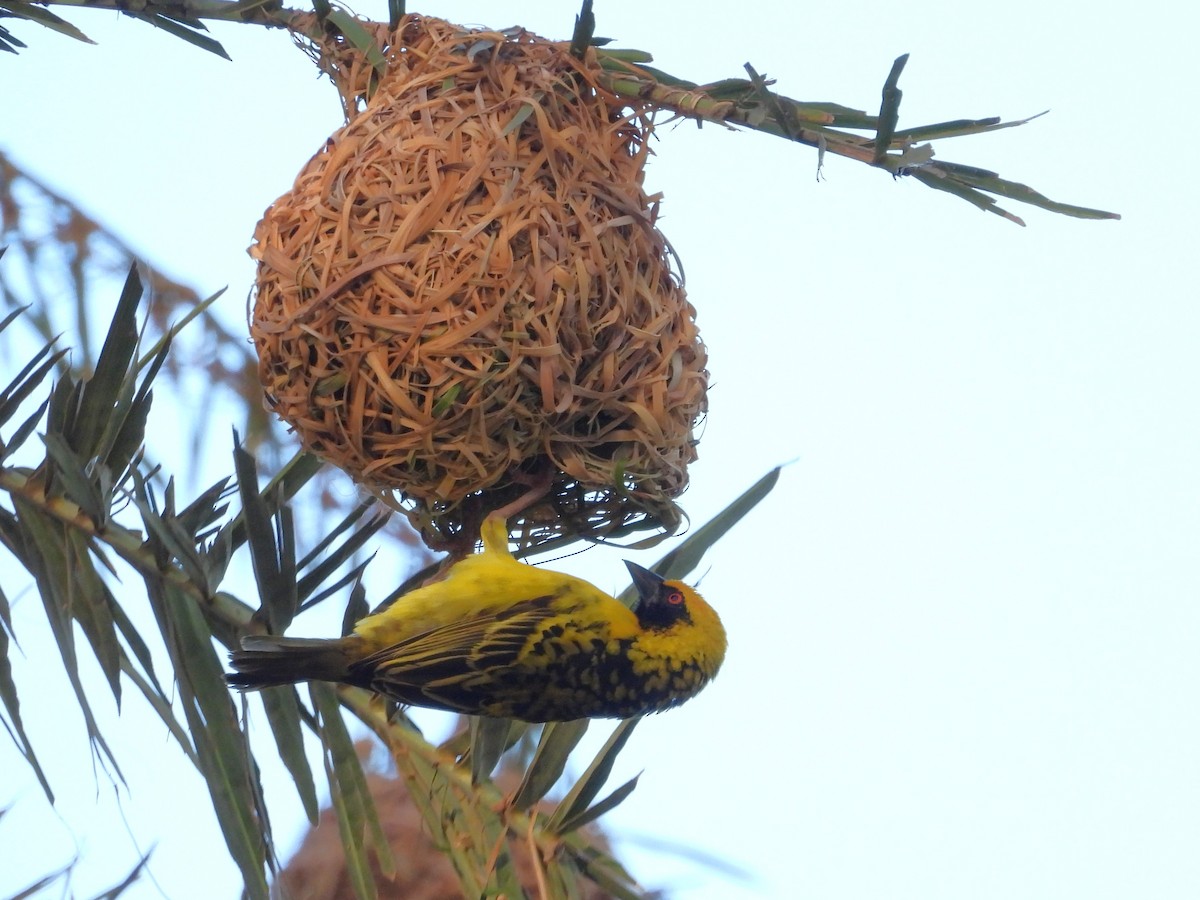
(265,660)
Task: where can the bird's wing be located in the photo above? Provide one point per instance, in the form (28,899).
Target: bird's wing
(455,666)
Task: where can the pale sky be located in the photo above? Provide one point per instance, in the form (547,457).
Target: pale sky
(963,630)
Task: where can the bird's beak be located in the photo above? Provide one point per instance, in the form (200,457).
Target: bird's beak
(646,582)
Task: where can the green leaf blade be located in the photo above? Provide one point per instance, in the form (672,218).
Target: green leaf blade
(549,761)
(596,810)
(687,556)
(113,374)
(592,780)
(283,715)
(221,748)
(12,703)
(350,785)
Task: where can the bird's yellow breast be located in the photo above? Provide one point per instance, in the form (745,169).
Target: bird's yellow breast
(700,642)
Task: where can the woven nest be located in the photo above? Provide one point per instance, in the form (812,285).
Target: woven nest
(465,291)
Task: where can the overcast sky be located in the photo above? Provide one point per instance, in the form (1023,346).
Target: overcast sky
(963,629)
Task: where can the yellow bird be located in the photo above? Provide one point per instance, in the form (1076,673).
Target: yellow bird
(497,637)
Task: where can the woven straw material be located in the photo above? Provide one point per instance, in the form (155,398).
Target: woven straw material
(465,288)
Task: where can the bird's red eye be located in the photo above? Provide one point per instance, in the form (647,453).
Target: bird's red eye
(675,598)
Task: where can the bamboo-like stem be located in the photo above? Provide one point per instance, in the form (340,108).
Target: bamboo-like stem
(127,543)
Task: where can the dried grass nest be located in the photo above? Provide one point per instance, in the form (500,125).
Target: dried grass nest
(465,291)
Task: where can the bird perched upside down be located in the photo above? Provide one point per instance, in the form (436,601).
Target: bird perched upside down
(497,637)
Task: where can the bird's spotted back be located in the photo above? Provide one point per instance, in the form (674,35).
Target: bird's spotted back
(541,660)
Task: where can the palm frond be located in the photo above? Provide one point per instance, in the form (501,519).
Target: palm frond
(742,102)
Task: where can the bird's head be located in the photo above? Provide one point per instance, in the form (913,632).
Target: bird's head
(676,611)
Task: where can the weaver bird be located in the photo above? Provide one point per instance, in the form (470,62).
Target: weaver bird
(497,637)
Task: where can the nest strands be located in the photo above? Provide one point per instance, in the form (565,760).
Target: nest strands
(465,291)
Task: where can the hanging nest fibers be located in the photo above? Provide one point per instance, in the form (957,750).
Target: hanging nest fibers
(465,291)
